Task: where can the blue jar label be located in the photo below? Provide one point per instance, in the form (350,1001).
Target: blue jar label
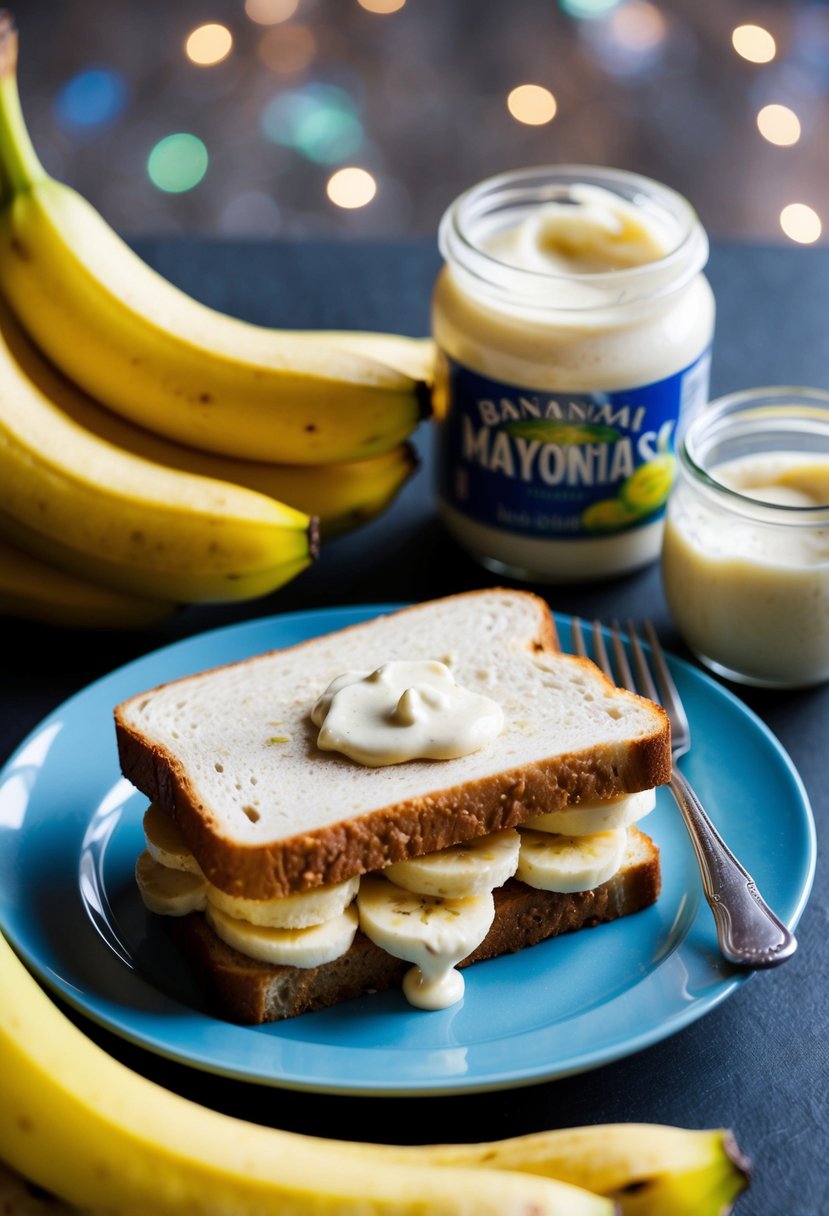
(562,465)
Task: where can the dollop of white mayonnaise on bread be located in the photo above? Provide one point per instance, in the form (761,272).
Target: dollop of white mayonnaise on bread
(404,710)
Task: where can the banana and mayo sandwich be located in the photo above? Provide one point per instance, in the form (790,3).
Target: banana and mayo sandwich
(386,804)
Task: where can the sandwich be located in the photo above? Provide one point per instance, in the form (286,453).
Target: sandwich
(385,805)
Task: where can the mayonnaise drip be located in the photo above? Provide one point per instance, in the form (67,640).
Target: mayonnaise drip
(404,710)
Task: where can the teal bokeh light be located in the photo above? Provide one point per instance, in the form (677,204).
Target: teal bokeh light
(177,163)
(320,121)
(588,9)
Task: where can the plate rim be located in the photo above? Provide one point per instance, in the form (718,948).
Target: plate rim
(586,1060)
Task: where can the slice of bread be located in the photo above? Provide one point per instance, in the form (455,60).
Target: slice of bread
(231,753)
(250,992)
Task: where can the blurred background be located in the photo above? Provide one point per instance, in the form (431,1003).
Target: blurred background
(292,118)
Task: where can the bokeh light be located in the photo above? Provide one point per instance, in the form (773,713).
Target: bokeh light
(177,163)
(351,187)
(381,6)
(208,44)
(532,104)
(91,98)
(320,121)
(779,125)
(754,43)
(801,223)
(639,25)
(630,42)
(270,12)
(587,9)
(287,49)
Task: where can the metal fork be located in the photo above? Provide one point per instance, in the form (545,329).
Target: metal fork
(748,932)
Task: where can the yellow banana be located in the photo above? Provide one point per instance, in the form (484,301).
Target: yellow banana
(35,591)
(649,1169)
(105,515)
(341,496)
(77,1122)
(413,356)
(149,351)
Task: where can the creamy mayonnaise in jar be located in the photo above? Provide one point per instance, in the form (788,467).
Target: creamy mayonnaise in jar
(745,561)
(574,326)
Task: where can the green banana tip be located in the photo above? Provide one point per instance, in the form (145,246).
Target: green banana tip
(8,43)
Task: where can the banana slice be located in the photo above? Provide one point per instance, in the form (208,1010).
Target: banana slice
(597,815)
(309,947)
(169,892)
(462,870)
(165,842)
(298,911)
(432,933)
(569,863)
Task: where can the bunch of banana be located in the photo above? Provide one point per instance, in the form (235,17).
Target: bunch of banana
(153,451)
(78,1123)
(154,354)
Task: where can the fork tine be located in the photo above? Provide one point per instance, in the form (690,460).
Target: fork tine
(600,655)
(670,696)
(621,659)
(577,638)
(643,674)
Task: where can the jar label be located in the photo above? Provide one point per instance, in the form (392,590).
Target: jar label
(560,465)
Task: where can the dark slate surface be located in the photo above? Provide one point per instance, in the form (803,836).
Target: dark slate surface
(758,1062)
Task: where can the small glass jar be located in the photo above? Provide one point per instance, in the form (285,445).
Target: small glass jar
(559,391)
(745,558)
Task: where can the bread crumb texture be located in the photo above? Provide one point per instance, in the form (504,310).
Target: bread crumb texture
(231,753)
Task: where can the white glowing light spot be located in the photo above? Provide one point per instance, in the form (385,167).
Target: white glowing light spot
(779,125)
(532,104)
(351,187)
(801,223)
(208,44)
(754,43)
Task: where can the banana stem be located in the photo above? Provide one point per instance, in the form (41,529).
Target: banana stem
(20,166)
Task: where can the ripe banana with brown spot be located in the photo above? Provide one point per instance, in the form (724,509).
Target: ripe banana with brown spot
(151,352)
(342,496)
(108,517)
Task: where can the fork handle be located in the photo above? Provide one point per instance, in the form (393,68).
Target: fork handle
(749,933)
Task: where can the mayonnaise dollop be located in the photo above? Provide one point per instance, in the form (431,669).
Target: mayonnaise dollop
(404,710)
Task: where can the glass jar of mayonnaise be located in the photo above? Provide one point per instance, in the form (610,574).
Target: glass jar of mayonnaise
(745,560)
(574,325)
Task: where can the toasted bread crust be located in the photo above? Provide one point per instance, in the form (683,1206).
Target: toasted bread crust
(403,829)
(252,992)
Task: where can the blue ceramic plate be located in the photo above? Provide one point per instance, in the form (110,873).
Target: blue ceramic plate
(70,829)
